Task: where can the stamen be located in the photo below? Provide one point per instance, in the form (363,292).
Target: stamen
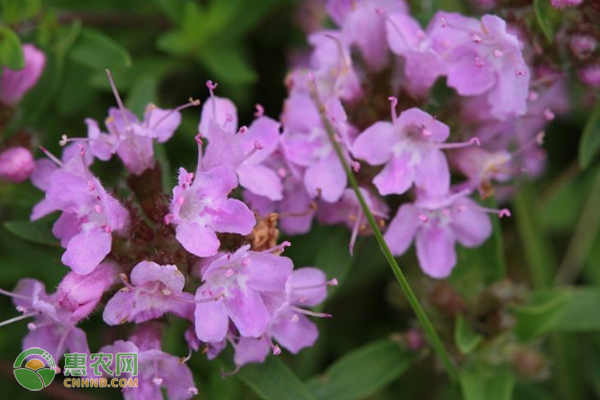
(243,129)
(118,98)
(185,359)
(15,319)
(458,145)
(548,114)
(260,111)
(211,88)
(51,156)
(355,166)
(354,235)
(331,282)
(15,295)
(157,381)
(125,280)
(311,313)
(191,103)
(393,103)
(192,390)
(279,247)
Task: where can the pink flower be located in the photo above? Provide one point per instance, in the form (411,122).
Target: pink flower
(14,84)
(16,164)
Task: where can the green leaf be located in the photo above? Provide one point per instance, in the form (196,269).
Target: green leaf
(74,93)
(540,316)
(228,65)
(273,380)
(487,383)
(362,372)
(144,91)
(11,51)
(18,10)
(332,254)
(96,50)
(39,231)
(465,337)
(545,15)
(590,140)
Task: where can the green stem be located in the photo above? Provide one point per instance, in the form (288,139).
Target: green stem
(542,265)
(430,332)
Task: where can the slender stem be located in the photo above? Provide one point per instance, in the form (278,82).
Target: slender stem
(583,239)
(542,265)
(430,332)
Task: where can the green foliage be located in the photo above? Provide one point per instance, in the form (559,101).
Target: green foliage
(546,17)
(465,337)
(96,50)
(11,52)
(590,140)
(362,372)
(487,383)
(13,11)
(39,231)
(273,380)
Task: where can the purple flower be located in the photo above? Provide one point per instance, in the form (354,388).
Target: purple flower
(233,288)
(156,369)
(349,211)
(16,164)
(482,58)
(14,84)
(200,207)
(45,169)
(89,215)
(437,224)
(296,209)
(289,326)
(131,139)
(363,26)
(54,327)
(243,150)
(306,144)
(407,39)
(81,293)
(410,148)
(154,290)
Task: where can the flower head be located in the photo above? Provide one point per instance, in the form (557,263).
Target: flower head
(154,290)
(14,84)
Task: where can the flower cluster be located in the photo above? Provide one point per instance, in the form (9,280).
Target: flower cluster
(377,54)
(144,254)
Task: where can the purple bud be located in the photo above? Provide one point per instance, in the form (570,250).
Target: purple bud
(14,84)
(582,46)
(16,164)
(81,293)
(590,75)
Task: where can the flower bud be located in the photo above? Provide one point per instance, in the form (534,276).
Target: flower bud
(14,84)
(582,46)
(590,75)
(81,293)
(16,164)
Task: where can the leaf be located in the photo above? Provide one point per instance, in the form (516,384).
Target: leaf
(11,52)
(487,383)
(96,50)
(14,11)
(590,140)
(228,65)
(75,93)
(540,316)
(545,14)
(332,254)
(465,337)
(362,372)
(39,231)
(273,380)
(144,91)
